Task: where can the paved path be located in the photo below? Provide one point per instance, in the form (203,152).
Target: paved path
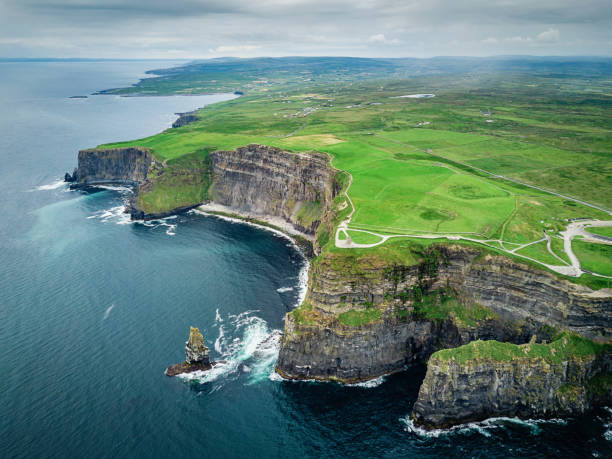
(573,229)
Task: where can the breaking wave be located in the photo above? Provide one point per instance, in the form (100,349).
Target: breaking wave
(245,344)
(485,428)
(51,186)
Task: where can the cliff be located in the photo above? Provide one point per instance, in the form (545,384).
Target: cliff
(365,316)
(125,166)
(485,379)
(255,179)
(266,181)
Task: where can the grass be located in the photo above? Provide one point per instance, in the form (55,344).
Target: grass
(303,314)
(410,178)
(594,257)
(601,230)
(539,252)
(439,307)
(567,346)
(363,238)
(356,318)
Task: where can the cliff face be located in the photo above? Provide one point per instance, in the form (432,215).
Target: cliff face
(266,181)
(493,298)
(256,180)
(456,391)
(127,166)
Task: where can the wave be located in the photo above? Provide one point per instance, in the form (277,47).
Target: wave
(485,428)
(115,214)
(108,311)
(122,189)
(245,344)
(50,186)
(368,384)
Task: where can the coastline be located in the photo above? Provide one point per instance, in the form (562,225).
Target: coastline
(286,231)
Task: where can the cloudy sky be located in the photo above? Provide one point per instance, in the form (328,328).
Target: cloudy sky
(391,28)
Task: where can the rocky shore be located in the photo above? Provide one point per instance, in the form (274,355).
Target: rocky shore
(485,379)
(197,356)
(366,315)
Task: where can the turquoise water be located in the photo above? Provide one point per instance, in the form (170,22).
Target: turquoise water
(93,308)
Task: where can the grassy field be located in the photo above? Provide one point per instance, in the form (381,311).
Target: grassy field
(601,230)
(594,257)
(419,166)
(564,347)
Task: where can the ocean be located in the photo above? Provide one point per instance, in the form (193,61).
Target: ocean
(94,307)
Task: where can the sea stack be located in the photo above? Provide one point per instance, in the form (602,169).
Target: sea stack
(197,355)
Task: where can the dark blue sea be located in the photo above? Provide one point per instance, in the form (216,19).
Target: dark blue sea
(94,307)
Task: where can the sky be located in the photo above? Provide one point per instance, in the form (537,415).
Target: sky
(187,29)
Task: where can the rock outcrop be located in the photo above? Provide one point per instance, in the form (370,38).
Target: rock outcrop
(495,298)
(124,166)
(254,180)
(487,379)
(266,181)
(185,119)
(197,355)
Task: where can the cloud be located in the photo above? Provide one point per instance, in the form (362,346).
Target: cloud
(550,35)
(225,49)
(518,39)
(209,28)
(380,38)
(490,41)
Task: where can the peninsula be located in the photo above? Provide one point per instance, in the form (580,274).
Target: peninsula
(452,231)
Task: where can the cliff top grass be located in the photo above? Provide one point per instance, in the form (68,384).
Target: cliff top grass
(566,346)
(419,166)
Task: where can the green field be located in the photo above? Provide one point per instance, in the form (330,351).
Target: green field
(419,166)
(601,230)
(594,257)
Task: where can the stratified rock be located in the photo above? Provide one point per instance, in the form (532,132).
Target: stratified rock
(267,181)
(197,356)
(195,350)
(521,301)
(124,166)
(489,379)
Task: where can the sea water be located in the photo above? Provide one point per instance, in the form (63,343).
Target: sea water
(94,307)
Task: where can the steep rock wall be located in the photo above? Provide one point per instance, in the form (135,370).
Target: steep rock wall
(114,165)
(458,392)
(266,181)
(523,301)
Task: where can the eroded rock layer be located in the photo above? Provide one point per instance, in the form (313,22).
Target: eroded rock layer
(127,166)
(457,391)
(266,181)
(493,298)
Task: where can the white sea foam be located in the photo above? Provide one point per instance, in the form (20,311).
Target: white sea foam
(122,189)
(368,384)
(50,186)
(108,311)
(246,345)
(484,428)
(284,289)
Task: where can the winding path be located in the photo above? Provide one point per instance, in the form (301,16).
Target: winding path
(573,229)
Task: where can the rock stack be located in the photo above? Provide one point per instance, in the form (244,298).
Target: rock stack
(197,355)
